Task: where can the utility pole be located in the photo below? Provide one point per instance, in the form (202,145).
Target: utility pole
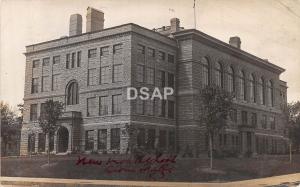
(195,21)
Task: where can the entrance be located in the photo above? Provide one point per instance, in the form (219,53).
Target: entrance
(62,139)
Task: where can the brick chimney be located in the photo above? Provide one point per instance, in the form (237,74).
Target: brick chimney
(175,24)
(94,20)
(235,41)
(75,27)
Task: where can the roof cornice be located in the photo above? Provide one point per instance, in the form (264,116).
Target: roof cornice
(198,35)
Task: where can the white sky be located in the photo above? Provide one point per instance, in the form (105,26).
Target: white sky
(268,29)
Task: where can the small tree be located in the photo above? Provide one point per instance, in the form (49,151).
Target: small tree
(215,105)
(48,120)
(10,128)
(131,133)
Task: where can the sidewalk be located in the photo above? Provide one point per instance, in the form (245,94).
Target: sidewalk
(280,181)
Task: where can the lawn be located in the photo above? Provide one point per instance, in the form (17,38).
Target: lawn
(166,168)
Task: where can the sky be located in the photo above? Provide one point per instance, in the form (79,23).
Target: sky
(269,29)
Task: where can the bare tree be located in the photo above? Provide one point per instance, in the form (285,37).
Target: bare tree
(49,118)
(215,105)
(291,113)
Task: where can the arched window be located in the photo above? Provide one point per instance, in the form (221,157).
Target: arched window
(252,89)
(270,93)
(72,93)
(242,85)
(205,71)
(261,91)
(219,74)
(231,80)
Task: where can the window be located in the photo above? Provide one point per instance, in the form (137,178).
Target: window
(141,137)
(102,139)
(261,91)
(56,59)
(115,138)
(117,49)
(150,107)
(242,85)
(244,118)
(73,59)
(151,139)
(72,93)
(92,77)
(91,107)
(162,139)
(43,110)
(233,115)
(35,63)
(254,119)
(270,93)
(161,56)
(103,105)
(46,61)
(140,73)
(171,80)
(116,104)
(31,143)
(55,82)
(264,122)
(219,75)
(231,80)
(118,73)
(33,112)
(78,58)
(141,49)
(41,142)
(252,89)
(205,71)
(68,61)
(172,140)
(35,85)
(171,109)
(162,111)
(140,106)
(45,83)
(104,51)
(104,75)
(162,78)
(272,122)
(92,53)
(151,52)
(150,76)
(224,139)
(171,58)
(89,140)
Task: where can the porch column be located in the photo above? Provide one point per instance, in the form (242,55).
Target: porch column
(36,144)
(47,143)
(70,140)
(55,142)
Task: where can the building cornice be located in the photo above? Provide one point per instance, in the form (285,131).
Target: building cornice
(200,36)
(99,35)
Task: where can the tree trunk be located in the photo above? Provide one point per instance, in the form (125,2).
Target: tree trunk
(48,151)
(290,152)
(210,150)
